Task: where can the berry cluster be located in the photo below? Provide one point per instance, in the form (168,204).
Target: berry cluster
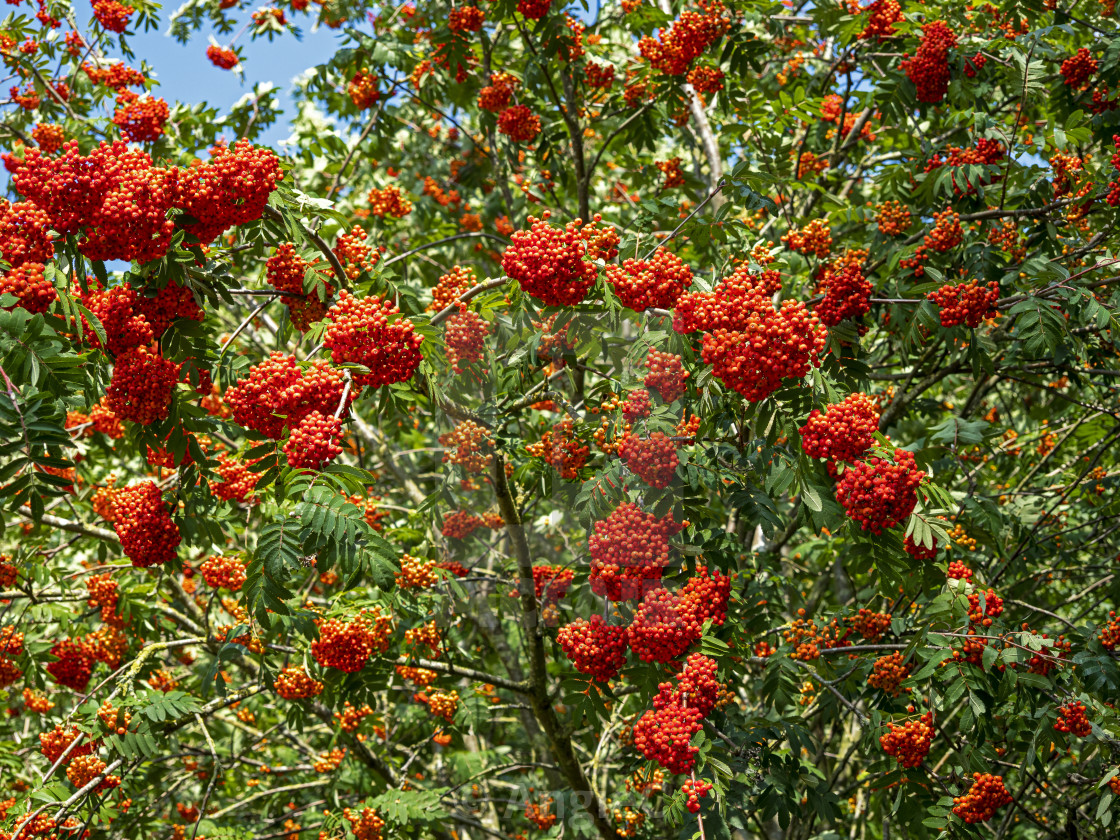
(992,608)
(112,16)
(540,814)
(730,305)
(465,335)
(1077,69)
(83,769)
(533,9)
(1072,719)
(666,375)
(451,286)
(472,447)
(847,295)
(314,441)
(910,742)
(637,405)
(561,449)
(285,271)
(629,550)
(348,645)
(141,385)
(117,75)
(694,791)
(653,459)
(772,346)
(416,573)
(706,596)
(878,493)
(599,76)
(389,201)
(31,288)
(646,284)
(919,551)
(888,672)
(223,572)
(232,188)
(893,218)
(551,582)
(356,257)
(966,303)
(143,523)
(237,481)
(223,58)
(883,15)
(443,704)
(519,123)
(984,798)
(466,19)
(279,393)
(74,665)
(663,733)
(844,432)
(594,647)
(665,625)
(671,170)
(23,233)
(555,265)
(946,233)
(294,683)
(140,119)
(929,68)
(690,35)
(460,524)
(813,240)
(362,89)
(706,79)
(495,96)
(365,824)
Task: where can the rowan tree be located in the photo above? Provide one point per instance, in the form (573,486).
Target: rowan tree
(655,420)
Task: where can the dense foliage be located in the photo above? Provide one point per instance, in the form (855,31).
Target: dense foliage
(643,421)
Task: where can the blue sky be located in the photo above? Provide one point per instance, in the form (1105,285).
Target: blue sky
(186,75)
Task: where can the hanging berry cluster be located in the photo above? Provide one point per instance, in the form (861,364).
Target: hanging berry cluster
(314,441)
(966,303)
(653,459)
(629,550)
(278,393)
(23,233)
(666,375)
(594,647)
(555,265)
(294,683)
(910,742)
(847,295)
(888,672)
(892,218)
(285,271)
(878,493)
(143,523)
(663,733)
(141,385)
(465,335)
(561,449)
(882,16)
(472,447)
(694,791)
(986,796)
(1072,720)
(389,201)
(519,123)
(30,286)
(844,432)
(929,68)
(1078,68)
(360,332)
(223,572)
(654,283)
(689,37)
(813,240)
(347,645)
